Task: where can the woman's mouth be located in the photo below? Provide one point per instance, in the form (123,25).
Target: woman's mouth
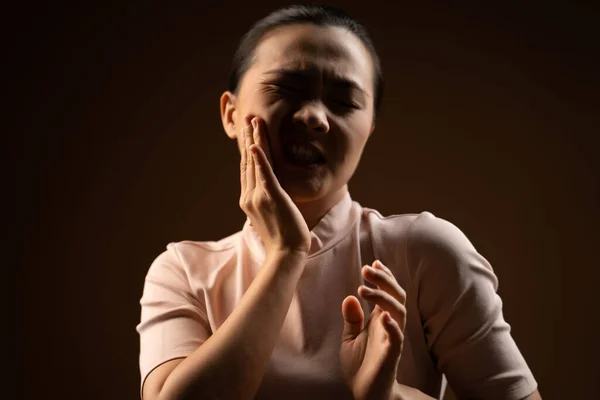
(303,155)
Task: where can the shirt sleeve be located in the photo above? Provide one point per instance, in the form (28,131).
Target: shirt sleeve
(461,313)
(173,320)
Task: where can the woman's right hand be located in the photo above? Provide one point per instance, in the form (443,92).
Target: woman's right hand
(272,212)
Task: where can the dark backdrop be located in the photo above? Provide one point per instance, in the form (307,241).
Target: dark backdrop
(489,120)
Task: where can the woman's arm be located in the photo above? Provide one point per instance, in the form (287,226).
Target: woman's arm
(462,314)
(231,363)
(403,392)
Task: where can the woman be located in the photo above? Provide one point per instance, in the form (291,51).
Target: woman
(257,314)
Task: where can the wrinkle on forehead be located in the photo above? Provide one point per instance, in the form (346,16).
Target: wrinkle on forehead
(333,51)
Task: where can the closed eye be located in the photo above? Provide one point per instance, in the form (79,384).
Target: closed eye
(347,104)
(344,106)
(286,87)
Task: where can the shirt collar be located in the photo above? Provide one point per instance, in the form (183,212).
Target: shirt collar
(333,225)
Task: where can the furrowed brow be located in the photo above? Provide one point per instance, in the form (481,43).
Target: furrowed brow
(302,75)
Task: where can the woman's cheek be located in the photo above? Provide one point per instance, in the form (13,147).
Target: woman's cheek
(273,116)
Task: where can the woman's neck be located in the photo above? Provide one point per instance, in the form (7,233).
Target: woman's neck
(313,211)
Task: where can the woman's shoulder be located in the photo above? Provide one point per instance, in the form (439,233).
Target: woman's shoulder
(206,248)
(421,229)
(392,223)
(194,247)
(389,224)
(188,255)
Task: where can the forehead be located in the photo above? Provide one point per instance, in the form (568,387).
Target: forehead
(333,51)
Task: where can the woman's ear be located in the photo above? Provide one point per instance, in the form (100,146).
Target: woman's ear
(228,114)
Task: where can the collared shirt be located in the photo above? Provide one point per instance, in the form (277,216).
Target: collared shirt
(455,330)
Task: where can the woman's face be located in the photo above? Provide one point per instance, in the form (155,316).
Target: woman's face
(313,85)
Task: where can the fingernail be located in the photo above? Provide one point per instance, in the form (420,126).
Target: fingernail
(367,290)
(254,123)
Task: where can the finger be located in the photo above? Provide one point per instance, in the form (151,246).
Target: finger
(265,177)
(395,336)
(243,166)
(261,138)
(257,142)
(353,318)
(386,302)
(250,175)
(379,265)
(384,281)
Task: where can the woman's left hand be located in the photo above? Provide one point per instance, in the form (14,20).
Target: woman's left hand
(369,355)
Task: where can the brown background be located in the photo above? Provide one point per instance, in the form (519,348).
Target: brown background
(489,120)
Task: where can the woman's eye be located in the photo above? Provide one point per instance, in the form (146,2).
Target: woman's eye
(286,88)
(346,104)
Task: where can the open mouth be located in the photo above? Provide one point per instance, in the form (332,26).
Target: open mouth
(303,155)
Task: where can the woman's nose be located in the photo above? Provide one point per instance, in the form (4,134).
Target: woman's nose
(314,116)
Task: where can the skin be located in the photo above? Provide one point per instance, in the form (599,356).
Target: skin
(371,349)
(314,107)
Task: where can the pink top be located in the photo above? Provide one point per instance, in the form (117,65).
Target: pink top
(455,328)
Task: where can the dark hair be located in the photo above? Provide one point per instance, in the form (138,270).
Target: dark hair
(318,14)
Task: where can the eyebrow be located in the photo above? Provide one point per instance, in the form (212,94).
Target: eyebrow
(339,82)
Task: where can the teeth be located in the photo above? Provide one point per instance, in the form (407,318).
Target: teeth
(304,154)
(302,151)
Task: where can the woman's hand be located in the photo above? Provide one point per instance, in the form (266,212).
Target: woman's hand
(369,356)
(272,212)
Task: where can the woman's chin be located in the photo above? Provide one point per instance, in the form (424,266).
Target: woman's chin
(302,185)
(303,192)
